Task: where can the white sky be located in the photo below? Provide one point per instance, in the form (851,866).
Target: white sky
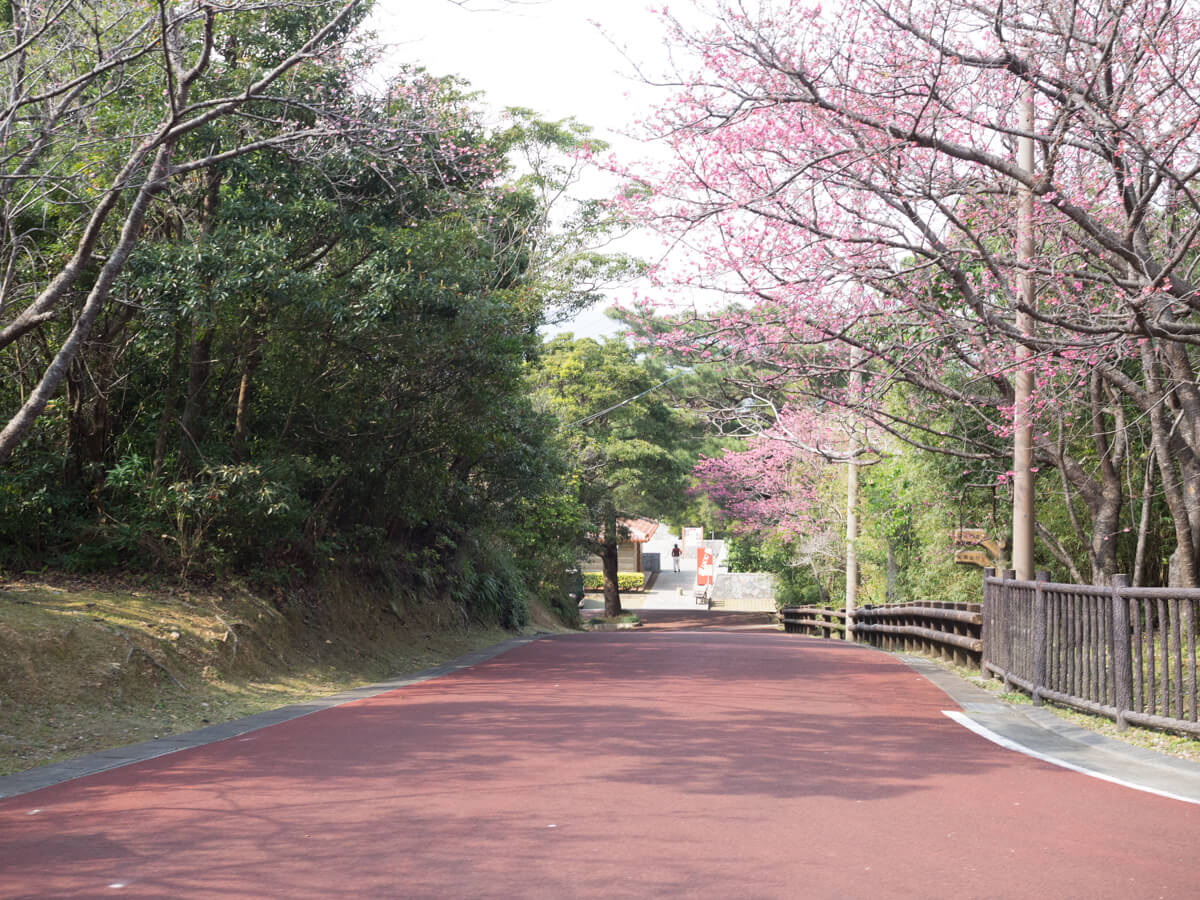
(561,58)
(544,54)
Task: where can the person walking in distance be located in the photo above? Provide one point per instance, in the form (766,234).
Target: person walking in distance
(676,556)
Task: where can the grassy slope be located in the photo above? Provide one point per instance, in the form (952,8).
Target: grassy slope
(86,667)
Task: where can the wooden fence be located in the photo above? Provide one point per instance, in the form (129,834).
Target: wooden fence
(1126,653)
(949,630)
(1121,652)
(818,622)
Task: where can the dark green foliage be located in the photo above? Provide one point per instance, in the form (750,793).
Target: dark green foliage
(318,362)
(631,449)
(639,454)
(746,554)
(796,586)
(490,587)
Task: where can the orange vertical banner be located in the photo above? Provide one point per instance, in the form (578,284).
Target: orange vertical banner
(704,566)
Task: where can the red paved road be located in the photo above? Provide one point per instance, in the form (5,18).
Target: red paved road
(667,764)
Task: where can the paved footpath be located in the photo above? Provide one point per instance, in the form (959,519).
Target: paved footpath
(661,763)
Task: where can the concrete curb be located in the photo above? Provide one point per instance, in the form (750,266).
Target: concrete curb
(1038,732)
(103,760)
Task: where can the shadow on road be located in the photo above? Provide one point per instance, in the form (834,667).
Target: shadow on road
(698,619)
(614,764)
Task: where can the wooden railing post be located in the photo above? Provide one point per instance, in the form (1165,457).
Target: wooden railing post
(989,609)
(1039,638)
(1122,651)
(1007,613)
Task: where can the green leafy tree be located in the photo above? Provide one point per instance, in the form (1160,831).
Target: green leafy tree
(313,348)
(101,101)
(633,451)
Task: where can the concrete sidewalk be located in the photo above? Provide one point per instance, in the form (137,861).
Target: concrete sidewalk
(668,589)
(1038,732)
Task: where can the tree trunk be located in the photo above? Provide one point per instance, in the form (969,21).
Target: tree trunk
(893,572)
(1183,386)
(608,556)
(1139,556)
(241,423)
(1102,491)
(191,422)
(1059,552)
(171,397)
(1190,469)
(1106,511)
(76,428)
(822,591)
(88,382)
(1183,561)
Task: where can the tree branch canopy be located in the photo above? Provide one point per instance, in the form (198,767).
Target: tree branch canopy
(849,181)
(98,99)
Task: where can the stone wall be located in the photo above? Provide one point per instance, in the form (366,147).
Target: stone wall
(744,591)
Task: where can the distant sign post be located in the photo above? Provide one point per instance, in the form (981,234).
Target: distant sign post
(991,556)
(974,558)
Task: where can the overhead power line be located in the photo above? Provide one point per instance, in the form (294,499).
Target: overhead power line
(587,419)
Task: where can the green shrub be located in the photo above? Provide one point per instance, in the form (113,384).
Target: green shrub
(488,586)
(626,581)
(224,517)
(796,586)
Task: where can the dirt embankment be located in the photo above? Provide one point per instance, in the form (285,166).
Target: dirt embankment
(84,666)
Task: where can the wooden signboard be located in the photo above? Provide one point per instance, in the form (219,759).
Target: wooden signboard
(974,558)
(969,535)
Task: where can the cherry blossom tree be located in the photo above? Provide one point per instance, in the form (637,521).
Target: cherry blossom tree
(851,179)
(771,484)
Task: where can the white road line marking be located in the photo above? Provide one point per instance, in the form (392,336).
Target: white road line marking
(967,722)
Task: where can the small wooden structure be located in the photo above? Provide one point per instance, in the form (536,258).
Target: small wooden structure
(990,557)
(629,551)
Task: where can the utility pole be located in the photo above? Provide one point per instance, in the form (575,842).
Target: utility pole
(852,498)
(1023,476)
(851,548)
